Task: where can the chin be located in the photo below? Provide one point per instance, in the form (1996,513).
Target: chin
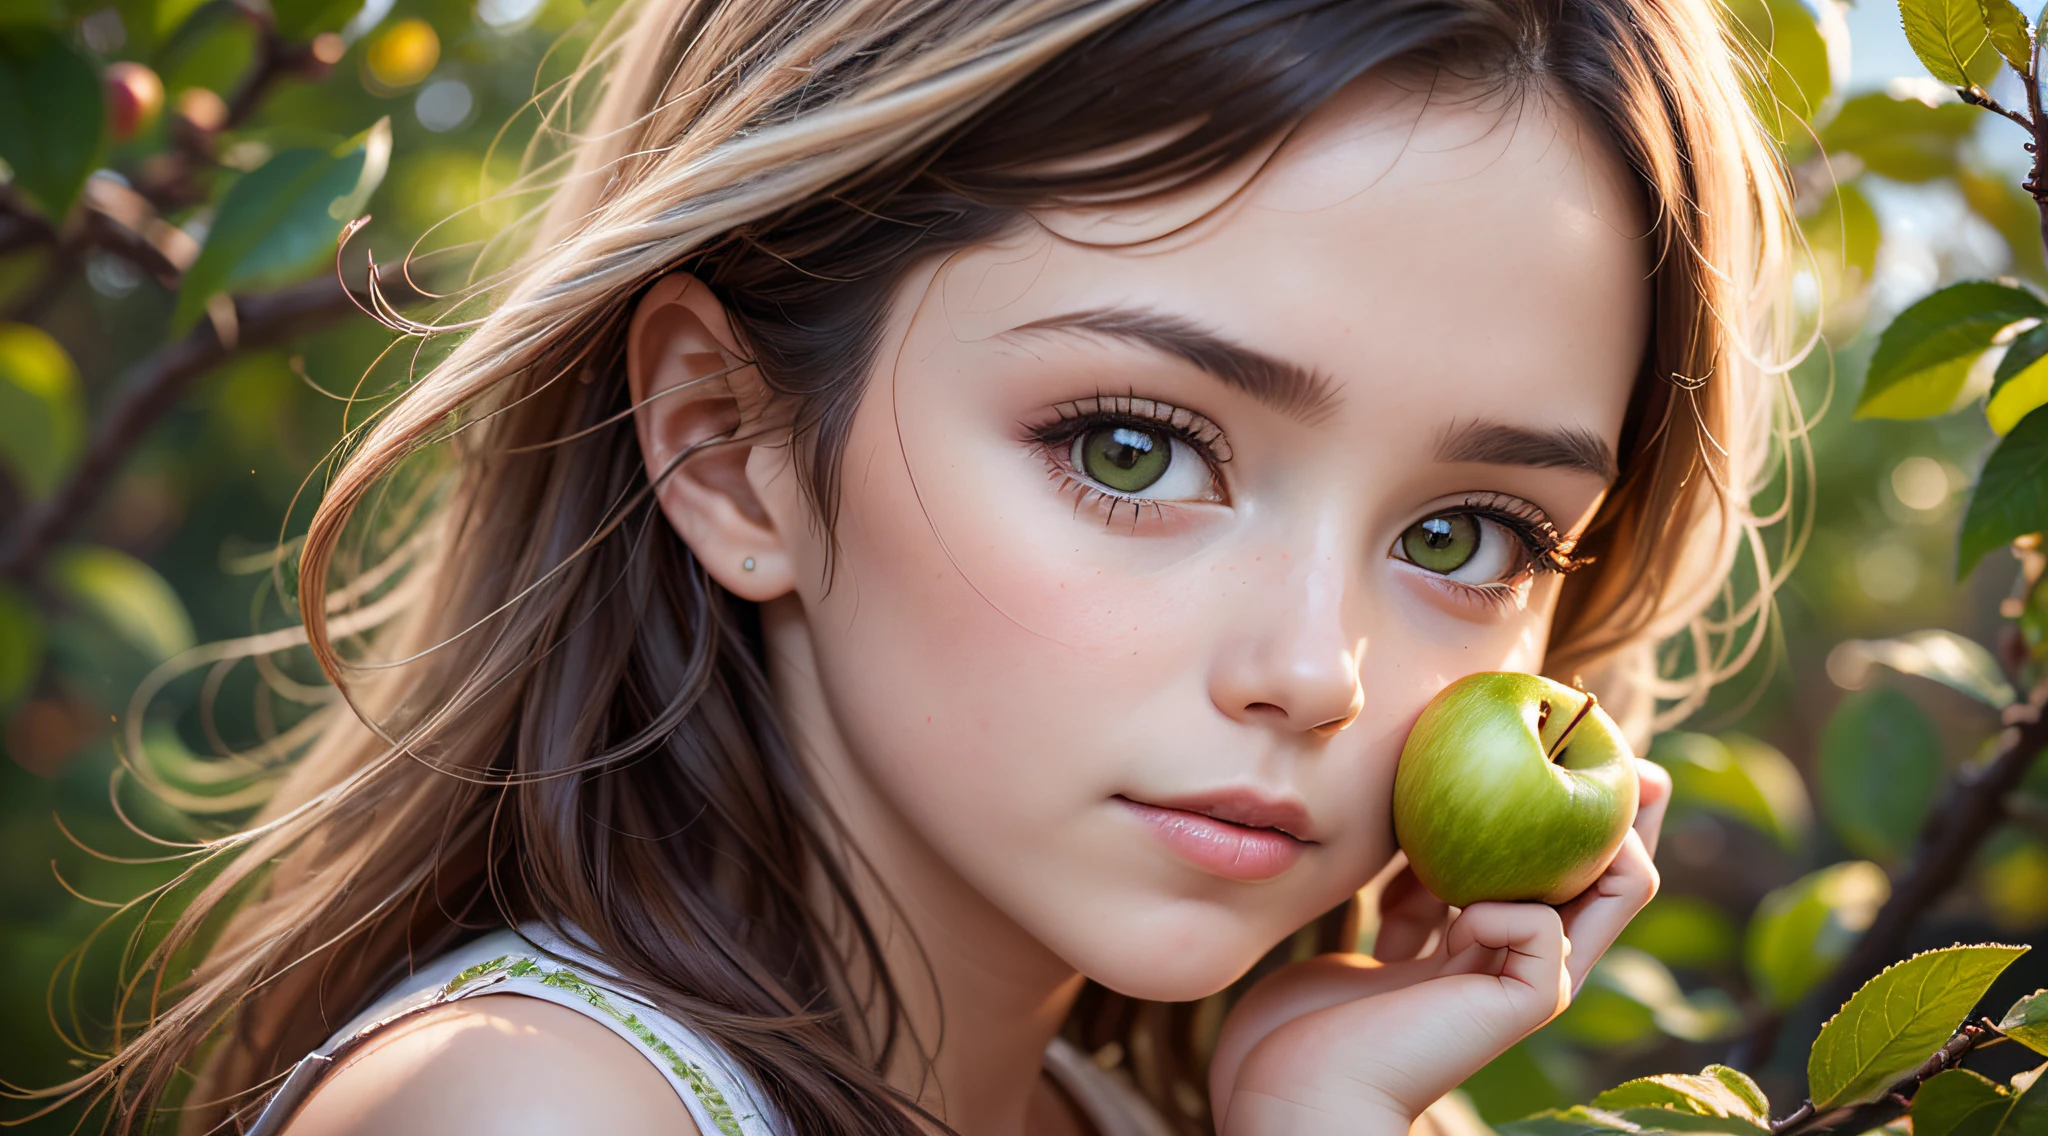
(1169,960)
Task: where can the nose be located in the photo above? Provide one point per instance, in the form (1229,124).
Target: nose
(1295,667)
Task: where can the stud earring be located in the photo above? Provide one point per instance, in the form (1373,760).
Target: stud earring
(748,564)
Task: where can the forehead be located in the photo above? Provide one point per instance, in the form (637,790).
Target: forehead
(1408,229)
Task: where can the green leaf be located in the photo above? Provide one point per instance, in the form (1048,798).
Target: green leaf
(51,116)
(1947,35)
(1959,1101)
(1923,359)
(127,597)
(2020,384)
(170,15)
(1577,1120)
(304,19)
(1901,138)
(1749,1092)
(1716,1091)
(1737,777)
(1790,51)
(1801,930)
(21,644)
(2007,30)
(2011,497)
(2027,1022)
(42,412)
(1952,660)
(1629,991)
(1844,234)
(1997,197)
(1848,223)
(1682,931)
(2026,348)
(1880,766)
(283,217)
(1897,1020)
(1672,1120)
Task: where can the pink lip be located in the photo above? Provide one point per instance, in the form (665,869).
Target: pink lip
(1238,835)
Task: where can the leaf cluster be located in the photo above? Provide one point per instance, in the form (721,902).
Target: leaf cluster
(1894,1049)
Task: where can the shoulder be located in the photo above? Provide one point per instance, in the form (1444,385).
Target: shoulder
(495,1063)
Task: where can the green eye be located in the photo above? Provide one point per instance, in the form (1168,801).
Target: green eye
(1443,543)
(1128,459)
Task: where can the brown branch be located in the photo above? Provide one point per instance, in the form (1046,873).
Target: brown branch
(2038,127)
(1977,98)
(1898,1099)
(1968,813)
(1976,803)
(170,180)
(153,386)
(21,226)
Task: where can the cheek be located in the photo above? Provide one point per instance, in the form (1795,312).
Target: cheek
(968,639)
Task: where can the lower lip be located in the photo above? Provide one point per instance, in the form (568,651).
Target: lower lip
(1219,847)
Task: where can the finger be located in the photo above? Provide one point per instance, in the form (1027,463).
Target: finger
(1655,789)
(1525,940)
(1412,1044)
(1594,920)
(1410,918)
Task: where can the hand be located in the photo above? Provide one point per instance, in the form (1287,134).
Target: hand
(1344,1043)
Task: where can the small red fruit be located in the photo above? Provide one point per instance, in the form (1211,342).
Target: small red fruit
(135,96)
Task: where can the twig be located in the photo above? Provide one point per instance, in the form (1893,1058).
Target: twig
(169,183)
(153,386)
(1976,803)
(2038,127)
(1977,98)
(1970,811)
(1797,1116)
(22,226)
(1898,1099)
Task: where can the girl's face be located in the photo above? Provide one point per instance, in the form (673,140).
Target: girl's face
(1160,526)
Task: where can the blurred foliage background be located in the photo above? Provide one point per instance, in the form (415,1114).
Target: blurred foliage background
(162,154)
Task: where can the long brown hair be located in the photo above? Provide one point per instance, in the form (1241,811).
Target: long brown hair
(553,713)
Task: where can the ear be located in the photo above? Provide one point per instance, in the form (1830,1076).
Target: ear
(690,387)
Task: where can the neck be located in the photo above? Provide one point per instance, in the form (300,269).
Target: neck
(981,997)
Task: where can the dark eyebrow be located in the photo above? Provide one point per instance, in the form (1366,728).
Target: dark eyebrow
(1497,443)
(1291,389)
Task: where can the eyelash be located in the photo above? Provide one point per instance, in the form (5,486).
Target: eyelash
(1548,550)
(1055,441)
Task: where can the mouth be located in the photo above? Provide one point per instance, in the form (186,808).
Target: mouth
(1238,835)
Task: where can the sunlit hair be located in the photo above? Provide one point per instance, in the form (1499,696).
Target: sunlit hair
(552,712)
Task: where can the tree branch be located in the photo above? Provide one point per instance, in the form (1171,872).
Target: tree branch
(1898,1099)
(1969,812)
(1977,98)
(1976,803)
(2038,127)
(153,386)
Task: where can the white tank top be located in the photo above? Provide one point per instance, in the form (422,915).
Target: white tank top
(534,962)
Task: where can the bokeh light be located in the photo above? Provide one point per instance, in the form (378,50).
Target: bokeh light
(401,55)
(505,15)
(1921,483)
(1888,570)
(444,105)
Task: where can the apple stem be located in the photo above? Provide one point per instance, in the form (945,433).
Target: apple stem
(1585,708)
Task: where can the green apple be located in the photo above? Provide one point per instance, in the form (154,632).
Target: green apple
(1513,787)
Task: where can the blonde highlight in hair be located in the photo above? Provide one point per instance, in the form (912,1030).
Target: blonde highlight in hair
(553,713)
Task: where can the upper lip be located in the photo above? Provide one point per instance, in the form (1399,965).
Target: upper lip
(1243,806)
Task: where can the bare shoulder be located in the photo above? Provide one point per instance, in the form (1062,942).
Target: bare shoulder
(496,1063)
